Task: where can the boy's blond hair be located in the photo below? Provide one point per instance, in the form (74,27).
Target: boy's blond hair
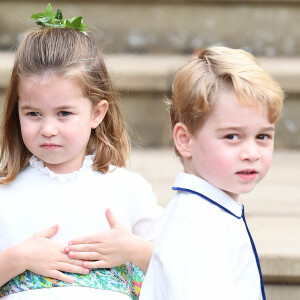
(196,85)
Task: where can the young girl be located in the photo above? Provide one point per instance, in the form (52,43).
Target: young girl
(63,144)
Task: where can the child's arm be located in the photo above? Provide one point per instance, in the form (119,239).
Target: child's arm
(112,248)
(40,255)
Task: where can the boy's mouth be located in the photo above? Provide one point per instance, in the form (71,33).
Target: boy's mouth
(248,174)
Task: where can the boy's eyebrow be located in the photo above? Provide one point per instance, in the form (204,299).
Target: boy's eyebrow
(236,128)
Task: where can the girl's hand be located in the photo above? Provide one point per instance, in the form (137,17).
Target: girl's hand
(45,257)
(112,248)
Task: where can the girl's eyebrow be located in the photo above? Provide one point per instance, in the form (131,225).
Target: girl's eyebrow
(29,107)
(65,107)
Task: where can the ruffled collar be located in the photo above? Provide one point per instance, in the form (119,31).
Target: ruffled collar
(62,178)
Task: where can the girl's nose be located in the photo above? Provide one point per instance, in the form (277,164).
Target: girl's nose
(48,128)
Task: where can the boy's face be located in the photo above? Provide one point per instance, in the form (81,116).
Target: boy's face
(234,147)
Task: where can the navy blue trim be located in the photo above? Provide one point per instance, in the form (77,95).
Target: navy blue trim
(208,199)
(256,258)
(248,231)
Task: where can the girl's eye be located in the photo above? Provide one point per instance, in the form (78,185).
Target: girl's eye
(233,137)
(64,113)
(264,137)
(34,114)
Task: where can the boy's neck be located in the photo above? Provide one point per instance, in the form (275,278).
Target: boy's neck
(235,197)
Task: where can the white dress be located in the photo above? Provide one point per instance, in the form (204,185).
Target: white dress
(203,249)
(39,198)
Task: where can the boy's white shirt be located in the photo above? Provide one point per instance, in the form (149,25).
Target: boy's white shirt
(202,251)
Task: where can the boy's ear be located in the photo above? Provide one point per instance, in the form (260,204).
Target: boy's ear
(182,138)
(98,113)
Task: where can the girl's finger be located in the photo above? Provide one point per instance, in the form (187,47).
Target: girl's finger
(111,219)
(96,264)
(65,267)
(72,261)
(85,255)
(82,248)
(61,276)
(85,240)
(49,232)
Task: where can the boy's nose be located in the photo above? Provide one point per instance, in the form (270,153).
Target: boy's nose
(48,128)
(250,152)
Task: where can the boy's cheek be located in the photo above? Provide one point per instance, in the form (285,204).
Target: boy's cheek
(267,160)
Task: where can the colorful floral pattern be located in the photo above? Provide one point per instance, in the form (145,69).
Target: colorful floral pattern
(125,279)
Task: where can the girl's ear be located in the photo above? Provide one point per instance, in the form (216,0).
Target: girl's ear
(98,113)
(182,139)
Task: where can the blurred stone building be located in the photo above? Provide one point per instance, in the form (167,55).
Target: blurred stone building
(147,40)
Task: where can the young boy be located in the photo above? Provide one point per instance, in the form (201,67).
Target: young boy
(223,113)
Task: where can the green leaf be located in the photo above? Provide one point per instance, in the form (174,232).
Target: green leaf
(48,11)
(76,22)
(37,16)
(71,20)
(59,15)
(48,8)
(48,18)
(44,19)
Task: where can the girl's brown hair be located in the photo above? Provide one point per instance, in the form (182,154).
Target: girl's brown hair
(63,52)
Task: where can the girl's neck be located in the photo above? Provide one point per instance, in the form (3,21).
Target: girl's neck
(66,167)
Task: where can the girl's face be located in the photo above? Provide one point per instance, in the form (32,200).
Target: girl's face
(56,120)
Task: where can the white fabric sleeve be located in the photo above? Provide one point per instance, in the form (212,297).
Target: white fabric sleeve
(146,213)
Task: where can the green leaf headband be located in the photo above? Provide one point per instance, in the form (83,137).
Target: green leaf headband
(50,19)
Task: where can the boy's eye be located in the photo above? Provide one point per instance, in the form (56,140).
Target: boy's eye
(233,137)
(64,113)
(263,137)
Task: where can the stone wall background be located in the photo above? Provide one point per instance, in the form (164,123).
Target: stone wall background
(137,30)
(266,28)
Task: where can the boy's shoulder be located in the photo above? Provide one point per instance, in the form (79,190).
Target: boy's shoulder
(195,191)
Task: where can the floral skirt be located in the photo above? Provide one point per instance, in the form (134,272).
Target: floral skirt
(126,279)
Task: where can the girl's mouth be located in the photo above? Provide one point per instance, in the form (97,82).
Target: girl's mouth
(50,146)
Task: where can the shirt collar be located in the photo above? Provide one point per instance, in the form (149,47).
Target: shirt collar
(62,178)
(196,185)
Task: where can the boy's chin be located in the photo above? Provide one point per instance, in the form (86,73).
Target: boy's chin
(234,194)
